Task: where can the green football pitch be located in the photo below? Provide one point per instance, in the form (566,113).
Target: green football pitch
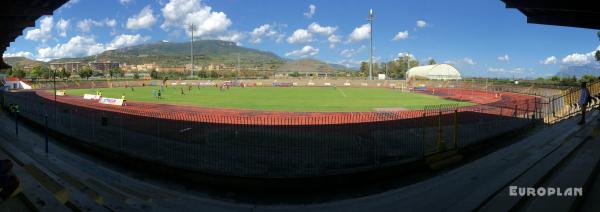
(298,99)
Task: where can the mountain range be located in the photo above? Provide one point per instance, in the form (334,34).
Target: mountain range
(579,70)
(178,54)
(23,61)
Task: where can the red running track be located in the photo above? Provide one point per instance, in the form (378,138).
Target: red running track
(488,102)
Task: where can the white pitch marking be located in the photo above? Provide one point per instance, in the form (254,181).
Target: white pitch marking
(343,94)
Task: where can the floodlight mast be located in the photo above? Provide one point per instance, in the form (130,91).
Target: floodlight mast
(370,19)
(192,28)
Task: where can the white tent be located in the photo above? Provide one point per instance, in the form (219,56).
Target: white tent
(434,72)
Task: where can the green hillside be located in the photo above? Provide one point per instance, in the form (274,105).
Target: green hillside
(178,54)
(23,61)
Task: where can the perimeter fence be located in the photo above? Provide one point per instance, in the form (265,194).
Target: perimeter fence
(281,145)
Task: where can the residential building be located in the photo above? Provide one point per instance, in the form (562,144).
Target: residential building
(103,66)
(73,67)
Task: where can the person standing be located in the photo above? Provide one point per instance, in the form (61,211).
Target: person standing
(584,100)
(124,100)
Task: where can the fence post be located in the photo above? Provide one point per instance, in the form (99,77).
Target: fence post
(455,129)
(423,135)
(46,132)
(527,109)
(439,140)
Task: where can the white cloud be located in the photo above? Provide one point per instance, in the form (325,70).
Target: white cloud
(43,33)
(464,61)
(421,24)
(349,63)
(514,70)
(19,54)
(333,39)
(311,11)
(505,57)
(352,52)
(401,35)
(265,30)
(111,22)
(578,59)
(306,51)
(85,25)
(405,54)
(549,60)
(300,36)
(144,20)
(62,25)
(77,46)
(180,14)
(81,46)
(125,40)
(70,3)
(323,30)
(125,2)
(360,33)
(280,38)
(233,37)
(469,61)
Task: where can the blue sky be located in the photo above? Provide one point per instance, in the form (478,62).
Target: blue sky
(481,38)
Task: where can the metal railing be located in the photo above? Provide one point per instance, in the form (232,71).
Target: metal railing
(566,105)
(277,147)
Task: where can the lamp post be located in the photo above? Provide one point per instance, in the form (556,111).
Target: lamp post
(54,86)
(370,19)
(192,29)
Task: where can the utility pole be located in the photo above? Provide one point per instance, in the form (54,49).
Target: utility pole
(386,71)
(192,29)
(407,61)
(370,19)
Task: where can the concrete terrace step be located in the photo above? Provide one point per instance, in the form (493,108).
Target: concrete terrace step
(501,201)
(464,188)
(82,197)
(75,174)
(107,189)
(18,203)
(70,180)
(81,187)
(441,156)
(59,191)
(577,172)
(34,195)
(446,162)
(591,196)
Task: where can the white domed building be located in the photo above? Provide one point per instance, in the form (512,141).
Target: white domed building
(434,72)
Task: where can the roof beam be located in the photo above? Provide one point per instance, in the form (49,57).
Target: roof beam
(557,5)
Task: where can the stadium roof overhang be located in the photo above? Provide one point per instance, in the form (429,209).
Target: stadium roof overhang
(573,13)
(16,15)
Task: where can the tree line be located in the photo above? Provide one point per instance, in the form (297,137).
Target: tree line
(394,69)
(44,72)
